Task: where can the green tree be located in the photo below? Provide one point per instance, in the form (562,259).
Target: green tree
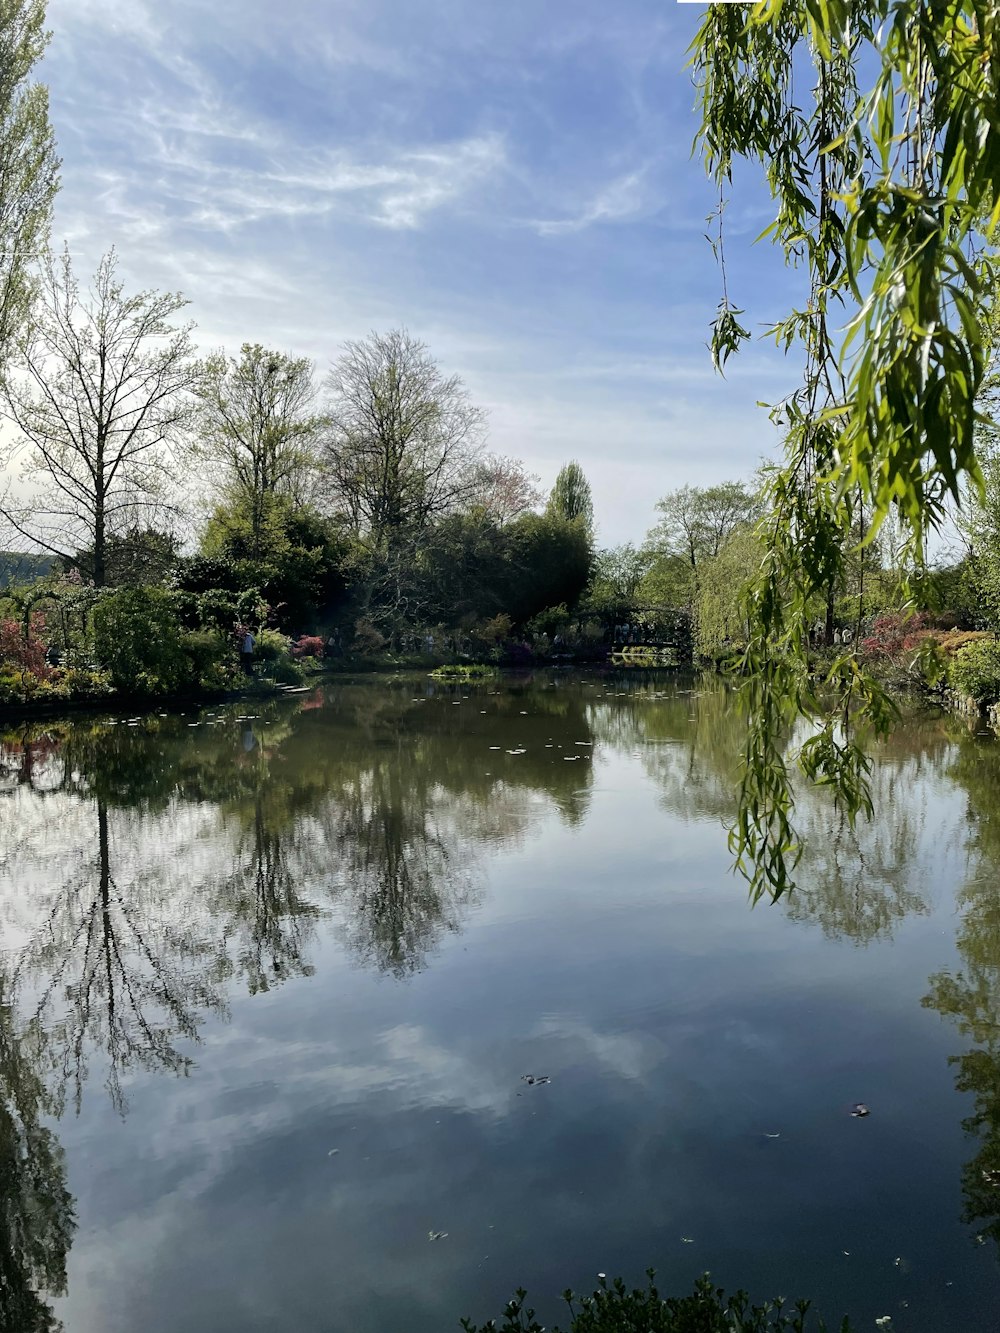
(886,194)
(697,521)
(29,168)
(570,497)
(618,573)
(100,403)
(258,432)
(549,564)
(294,559)
(137,638)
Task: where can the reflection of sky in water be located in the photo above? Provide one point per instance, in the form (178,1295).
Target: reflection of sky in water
(586,931)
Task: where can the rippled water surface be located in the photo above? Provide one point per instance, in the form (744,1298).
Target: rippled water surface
(270,986)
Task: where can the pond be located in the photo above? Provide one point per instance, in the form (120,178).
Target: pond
(357,1009)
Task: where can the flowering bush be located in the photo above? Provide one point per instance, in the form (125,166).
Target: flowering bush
(894,634)
(24,654)
(310,645)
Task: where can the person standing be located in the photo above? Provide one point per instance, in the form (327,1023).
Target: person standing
(247,652)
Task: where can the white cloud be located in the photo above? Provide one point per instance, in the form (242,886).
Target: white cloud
(619,201)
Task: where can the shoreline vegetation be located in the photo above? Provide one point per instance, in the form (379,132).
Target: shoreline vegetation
(614,1308)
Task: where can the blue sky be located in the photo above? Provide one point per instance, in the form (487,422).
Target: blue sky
(510,179)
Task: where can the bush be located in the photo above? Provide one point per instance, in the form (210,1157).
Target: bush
(309,645)
(137,638)
(615,1309)
(24,653)
(211,662)
(368,639)
(285,671)
(271,646)
(974,670)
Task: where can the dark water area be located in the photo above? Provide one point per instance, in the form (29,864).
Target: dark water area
(270,986)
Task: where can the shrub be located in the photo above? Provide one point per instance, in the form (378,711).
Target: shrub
(285,671)
(615,1309)
(309,645)
(271,646)
(894,634)
(210,659)
(368,639)
(24,653)
(137,638)
(974,670)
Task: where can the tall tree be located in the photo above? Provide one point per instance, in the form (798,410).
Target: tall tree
(403,438)
(258,430)
(697,521)
(570,497)
(885,178)
(29,168)
(504,489)
(100,404)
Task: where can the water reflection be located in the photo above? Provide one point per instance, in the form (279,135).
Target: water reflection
(969,996)
(155,870)
(36,1210)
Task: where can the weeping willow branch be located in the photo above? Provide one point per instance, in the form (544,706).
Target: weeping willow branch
(886,197)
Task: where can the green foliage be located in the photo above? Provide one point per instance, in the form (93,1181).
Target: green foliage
(137,639)
(29,168)
(617,577)
(549,564)
(258,433)
(211,659)
(885,197)
(570,497)
(136,558)
(720,603)
(464,671)
(272,646)
(975,671)
(293,561)
(616,1309)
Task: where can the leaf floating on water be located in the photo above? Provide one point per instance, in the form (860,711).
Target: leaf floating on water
(436,1235)
(772,1136)
(847,1252)
(333,1152)
(688,1240)
(860,1109)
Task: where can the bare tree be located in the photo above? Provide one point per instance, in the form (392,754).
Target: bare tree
(258,431)
(101,399)
(403,439)
(29,168)
(504,489)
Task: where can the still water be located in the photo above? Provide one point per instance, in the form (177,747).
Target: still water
(270,985)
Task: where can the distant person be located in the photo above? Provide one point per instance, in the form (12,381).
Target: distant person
(247,652)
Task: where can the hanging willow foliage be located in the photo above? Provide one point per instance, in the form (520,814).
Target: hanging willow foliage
(877,128)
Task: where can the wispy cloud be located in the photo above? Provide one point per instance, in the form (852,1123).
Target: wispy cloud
(622,199)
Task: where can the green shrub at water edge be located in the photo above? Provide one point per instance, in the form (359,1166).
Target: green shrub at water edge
(975,671)
(615,1309)
(473,671)
(137,639)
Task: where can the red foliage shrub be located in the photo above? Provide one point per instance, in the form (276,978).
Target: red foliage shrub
(310,645)
(24,654)
(894,634)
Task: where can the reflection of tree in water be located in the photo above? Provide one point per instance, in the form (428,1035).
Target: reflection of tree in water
(36,1210)
(855,883)
(405,871)
(267,922)
(970,995)
(115,968)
